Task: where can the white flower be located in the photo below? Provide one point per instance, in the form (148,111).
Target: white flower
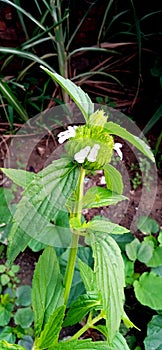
(93,153)
(82,154)
(65,135)
(102,180)
(87,152)
(117,147)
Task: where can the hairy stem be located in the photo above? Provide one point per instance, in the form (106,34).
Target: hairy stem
(75,237)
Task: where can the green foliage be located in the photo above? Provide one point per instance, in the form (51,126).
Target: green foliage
(8,276)
(47,291)
(153,339)
(58,189)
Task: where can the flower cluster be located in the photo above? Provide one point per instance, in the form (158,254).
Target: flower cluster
(91,144)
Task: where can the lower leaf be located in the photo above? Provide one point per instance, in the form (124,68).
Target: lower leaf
(109,269)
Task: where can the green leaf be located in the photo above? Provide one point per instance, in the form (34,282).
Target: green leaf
(145,251)
(4,345)
(24,317)
(98,197)
(113,179)
(81,99)
(2,268)
(148,290)
(80,308)
(154,334)
(47,289)
(19,177)
(49,335)
(156,259)
(132,249)
(6,196)
(13,101)
(117,130)
(110,279)
(87,275)
(25,54)
(6,333)
(26,342)
(23,294)
(119,343)
(147,225)
(5,314)
(82,345)
(4,279)
(40,204)
(104,225)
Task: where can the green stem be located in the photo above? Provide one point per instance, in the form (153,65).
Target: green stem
(69,273)
(90,323)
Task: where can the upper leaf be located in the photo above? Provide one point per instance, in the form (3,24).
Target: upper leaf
(113,179)
(110,278)
(47,289)
(81,99)
(35,215)
(116,129)
(98,197)
(104,225)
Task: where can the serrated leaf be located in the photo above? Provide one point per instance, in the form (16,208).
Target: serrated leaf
(19,177)
(98,197)
(47,289)
(117,130)
(41,201)
(106,226)
(82,345)
(80,308)
(153,339)
(113,179)
(81,99)
(148,290)
(110,280)
(49,335)
(87,275)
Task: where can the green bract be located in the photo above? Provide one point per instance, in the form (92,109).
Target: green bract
(92,145)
